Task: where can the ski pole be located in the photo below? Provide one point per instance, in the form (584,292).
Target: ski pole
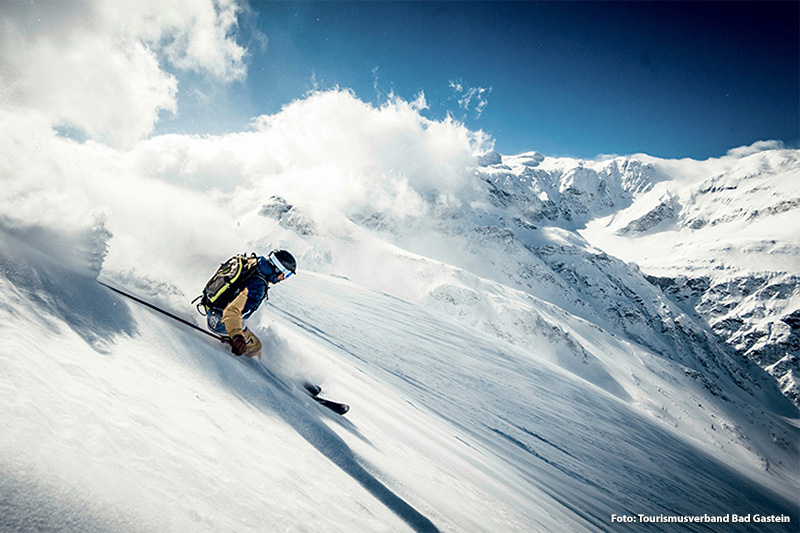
(151,306)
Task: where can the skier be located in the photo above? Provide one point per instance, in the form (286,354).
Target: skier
(243,295)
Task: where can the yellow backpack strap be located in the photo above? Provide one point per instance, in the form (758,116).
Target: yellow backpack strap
(239,270)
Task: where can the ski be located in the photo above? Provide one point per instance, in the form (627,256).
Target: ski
(315,390)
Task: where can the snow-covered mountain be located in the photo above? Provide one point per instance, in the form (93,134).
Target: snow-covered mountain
(719,236)
(528,343)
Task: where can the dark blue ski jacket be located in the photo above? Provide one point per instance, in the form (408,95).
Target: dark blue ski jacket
(257,286)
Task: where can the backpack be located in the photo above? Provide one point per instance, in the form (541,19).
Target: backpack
(224,285)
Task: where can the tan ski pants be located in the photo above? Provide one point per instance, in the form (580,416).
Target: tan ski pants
(232,318)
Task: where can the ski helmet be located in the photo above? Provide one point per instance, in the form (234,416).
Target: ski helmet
(283,262)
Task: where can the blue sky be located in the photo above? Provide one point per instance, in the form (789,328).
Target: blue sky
(671,79)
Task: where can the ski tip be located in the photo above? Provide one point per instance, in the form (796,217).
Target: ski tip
(315,390)
(336,407)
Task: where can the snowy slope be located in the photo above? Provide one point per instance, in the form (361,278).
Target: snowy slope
(119,419)
(508,370)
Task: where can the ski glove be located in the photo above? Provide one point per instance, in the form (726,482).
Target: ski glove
(238,345)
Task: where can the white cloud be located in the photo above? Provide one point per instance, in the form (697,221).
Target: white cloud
(351,153)
(456,86)
(470,98)
(100,66)
(194,35)
(328,151)
(420,103)
(759,146)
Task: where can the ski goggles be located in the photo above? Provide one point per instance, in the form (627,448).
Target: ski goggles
(279,266)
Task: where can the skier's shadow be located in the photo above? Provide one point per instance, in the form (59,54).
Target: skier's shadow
(306,417)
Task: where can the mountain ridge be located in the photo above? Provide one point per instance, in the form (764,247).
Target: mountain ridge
(624,202)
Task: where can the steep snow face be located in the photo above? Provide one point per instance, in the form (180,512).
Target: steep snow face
(120,419)
(718,236)
(721,238)
(491,234)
